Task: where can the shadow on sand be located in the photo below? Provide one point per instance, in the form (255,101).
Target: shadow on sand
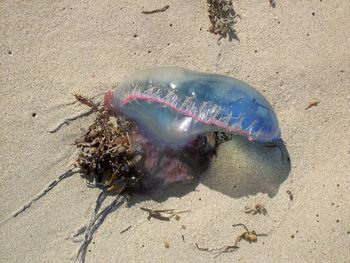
(245,168)
(240,168)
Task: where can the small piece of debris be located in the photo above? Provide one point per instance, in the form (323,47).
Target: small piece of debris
(159,214)
(250,236)
(126,229)
(258,209)
(291,197)
(163,9)
(217,251)
(312,103)
(86,101)
(203,248)
(272,3)
(166,244)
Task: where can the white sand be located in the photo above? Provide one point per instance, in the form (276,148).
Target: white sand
(62,47)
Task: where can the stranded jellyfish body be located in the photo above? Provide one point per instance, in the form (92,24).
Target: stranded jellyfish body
(176,113)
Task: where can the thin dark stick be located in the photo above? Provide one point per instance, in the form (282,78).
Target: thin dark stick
(126,229)
(241,225)
(156,10)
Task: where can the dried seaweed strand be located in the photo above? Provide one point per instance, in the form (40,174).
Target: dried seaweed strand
(217,251)
(163,9)
(250,236)
(126,229)
(312,103)
(226,249)
(87,101)
(158,214)
(222,17)
(104,156)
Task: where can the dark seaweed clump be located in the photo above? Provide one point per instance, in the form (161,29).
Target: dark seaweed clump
(223,18)
(105,158)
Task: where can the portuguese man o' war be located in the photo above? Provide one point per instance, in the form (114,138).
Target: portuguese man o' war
(176,113)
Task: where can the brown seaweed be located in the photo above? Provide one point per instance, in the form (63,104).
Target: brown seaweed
(105,158)
(222,17)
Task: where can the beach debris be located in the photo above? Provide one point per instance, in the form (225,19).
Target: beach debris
(291,197)
(312,103)
(250,236)
(205,249)
(126,229)
(217,251)
(166,244)
(163,214)
(86,101)
(225,249)
(257,209)
(222,17)
(104,152)
(163,9)
(272,3)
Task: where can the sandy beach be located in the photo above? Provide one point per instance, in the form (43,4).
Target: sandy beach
(294,54)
